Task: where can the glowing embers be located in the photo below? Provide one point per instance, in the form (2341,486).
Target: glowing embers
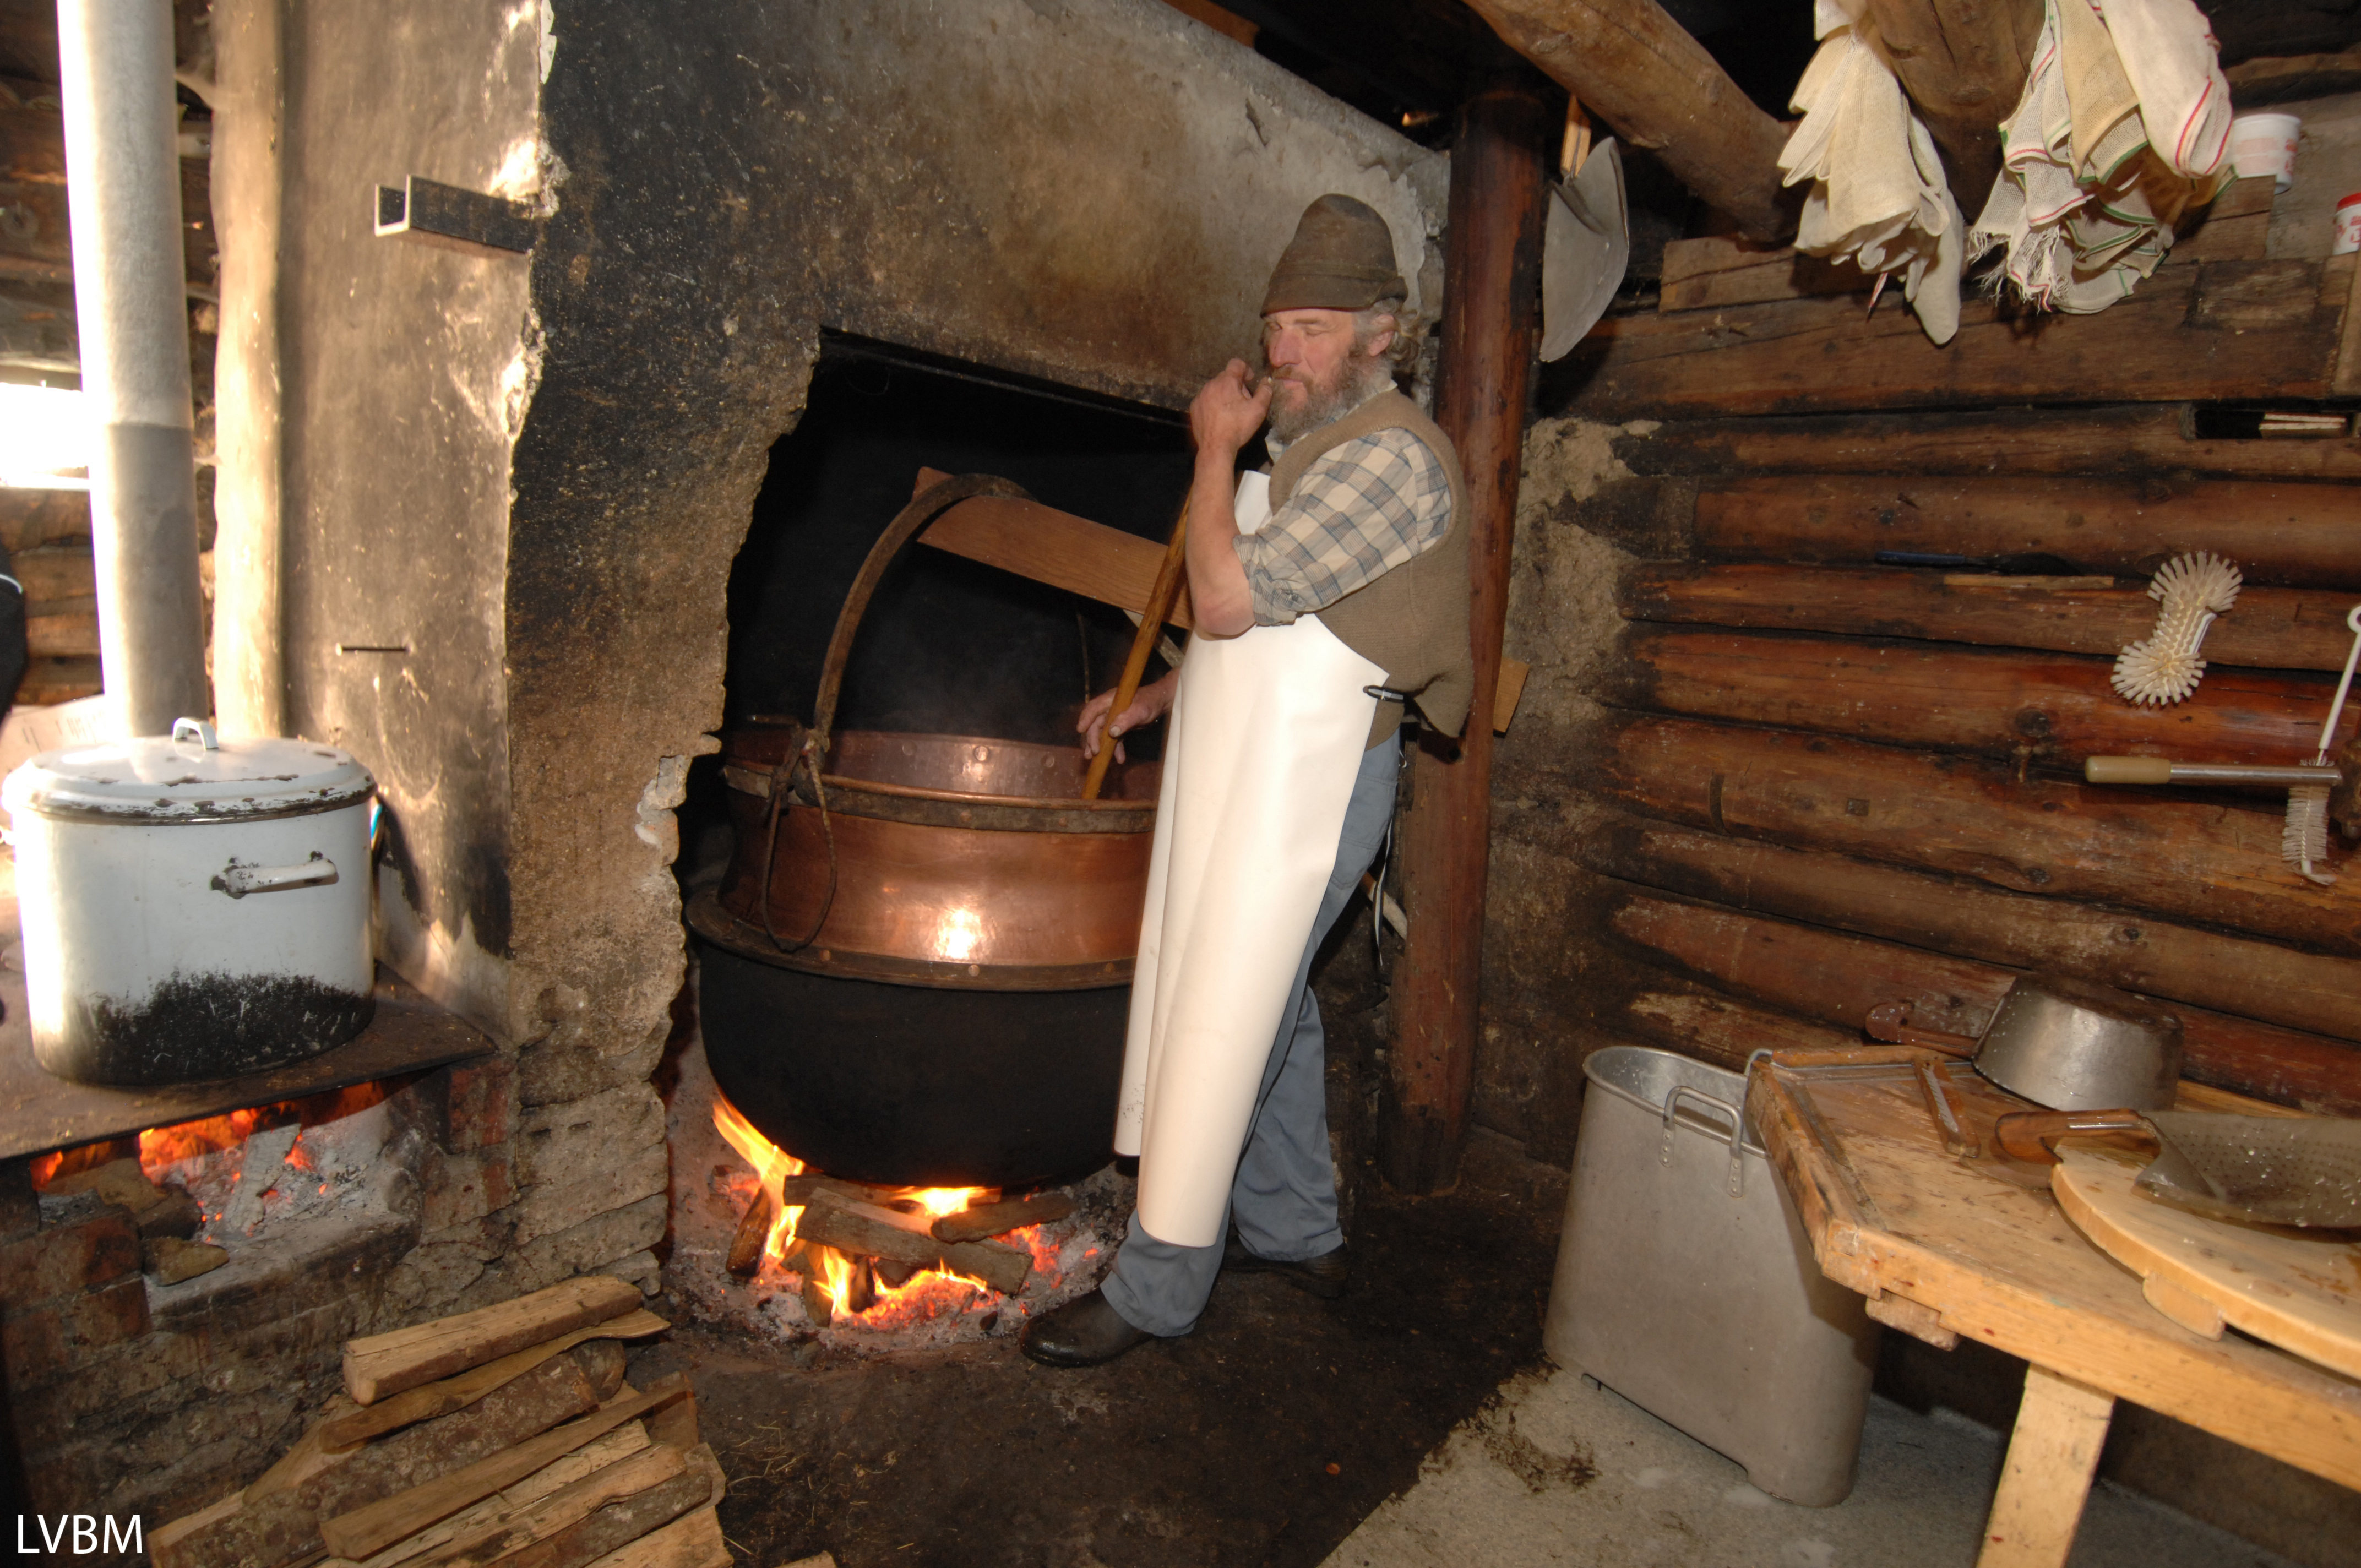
(811,1253)
(831,1280)
(253,1170)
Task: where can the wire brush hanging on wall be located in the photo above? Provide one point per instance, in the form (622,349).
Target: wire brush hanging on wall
(2164,668)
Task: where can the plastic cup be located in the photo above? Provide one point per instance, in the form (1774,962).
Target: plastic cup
(2348,226)
(2265,144)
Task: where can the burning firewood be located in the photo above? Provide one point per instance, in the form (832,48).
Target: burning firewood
(166,1211)
(387,1363)
(865,1231)
(798,1190)
(893,1273)
(975,1223)
(753,1230)
(861,1288)
(819,1305)
(794,1191)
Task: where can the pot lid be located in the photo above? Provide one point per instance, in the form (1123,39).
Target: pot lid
(190,776)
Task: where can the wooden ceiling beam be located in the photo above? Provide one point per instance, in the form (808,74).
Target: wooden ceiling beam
(1639,70)
(1964,62)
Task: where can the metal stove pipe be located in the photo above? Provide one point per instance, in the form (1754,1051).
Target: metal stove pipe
(122,189)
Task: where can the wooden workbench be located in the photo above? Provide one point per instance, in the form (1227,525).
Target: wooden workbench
(1945,1247)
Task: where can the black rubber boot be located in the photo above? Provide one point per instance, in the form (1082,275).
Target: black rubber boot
(1085,1331)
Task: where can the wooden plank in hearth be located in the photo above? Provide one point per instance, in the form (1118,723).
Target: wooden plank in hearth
(38,1112)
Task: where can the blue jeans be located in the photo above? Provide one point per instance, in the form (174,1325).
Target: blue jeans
(1283,1200)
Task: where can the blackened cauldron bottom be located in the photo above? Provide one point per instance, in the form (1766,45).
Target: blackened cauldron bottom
(916,1085)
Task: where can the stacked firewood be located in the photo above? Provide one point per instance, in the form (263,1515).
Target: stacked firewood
(506,1436)
(882,1238)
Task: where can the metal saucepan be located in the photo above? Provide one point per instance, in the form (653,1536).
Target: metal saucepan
(2279,1170)
(2062,1043)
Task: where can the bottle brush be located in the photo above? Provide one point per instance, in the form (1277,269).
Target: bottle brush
(2164,668)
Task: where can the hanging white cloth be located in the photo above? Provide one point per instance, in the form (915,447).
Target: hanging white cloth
(1878,194)
(2121,129)
(1262,747)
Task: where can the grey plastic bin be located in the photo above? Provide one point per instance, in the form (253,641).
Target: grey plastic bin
(1685,1284)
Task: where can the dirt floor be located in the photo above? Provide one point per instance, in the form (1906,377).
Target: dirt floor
(1265,1438)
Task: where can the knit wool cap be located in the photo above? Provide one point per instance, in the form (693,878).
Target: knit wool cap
(1341,259)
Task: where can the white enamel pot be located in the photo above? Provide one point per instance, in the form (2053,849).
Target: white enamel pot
(192,909)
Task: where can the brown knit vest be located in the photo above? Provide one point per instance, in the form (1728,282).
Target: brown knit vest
(1410,622)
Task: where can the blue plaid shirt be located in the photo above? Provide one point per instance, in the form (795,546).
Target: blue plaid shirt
(1360,511)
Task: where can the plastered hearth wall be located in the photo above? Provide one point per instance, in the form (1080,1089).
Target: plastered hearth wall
(528,476)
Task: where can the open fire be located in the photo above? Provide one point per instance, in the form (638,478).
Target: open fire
(762,1243)
(247,1170)
(835,1283)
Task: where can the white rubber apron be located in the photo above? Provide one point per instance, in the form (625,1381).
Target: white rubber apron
(1265,740)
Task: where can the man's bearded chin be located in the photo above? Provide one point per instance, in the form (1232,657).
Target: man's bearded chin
(1323,402)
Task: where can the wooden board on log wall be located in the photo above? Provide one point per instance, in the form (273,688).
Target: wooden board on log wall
(1722,1030)
(2273,629)
(2182,854)
(1726,270)
(1838,978)
(2049,709)
(2290,534)
(2228,974)
(2215,330)
(2136,440)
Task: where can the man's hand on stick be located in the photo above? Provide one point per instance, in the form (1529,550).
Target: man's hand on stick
(1150,703)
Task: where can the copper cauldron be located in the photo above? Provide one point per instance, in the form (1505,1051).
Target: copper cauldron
(919,966)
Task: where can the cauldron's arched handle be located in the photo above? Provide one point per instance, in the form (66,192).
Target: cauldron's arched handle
(924,508)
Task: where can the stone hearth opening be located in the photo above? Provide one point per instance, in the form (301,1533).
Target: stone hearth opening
(948,646)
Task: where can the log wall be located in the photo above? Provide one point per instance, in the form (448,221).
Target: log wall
(1763,782)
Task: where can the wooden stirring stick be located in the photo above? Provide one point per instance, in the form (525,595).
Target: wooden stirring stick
(1168,579)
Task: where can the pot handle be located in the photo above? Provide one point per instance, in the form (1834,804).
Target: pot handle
(907,524)
(196,729)
(1889,1021)
(924,508)
(1737,1131)
(2025,1134)
(237,880)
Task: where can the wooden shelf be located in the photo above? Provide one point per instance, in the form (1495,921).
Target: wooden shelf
(2208,330)
(39,1113)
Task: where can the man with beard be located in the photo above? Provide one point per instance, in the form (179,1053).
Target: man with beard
(1326,594)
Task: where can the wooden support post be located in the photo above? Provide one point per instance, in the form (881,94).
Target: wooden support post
(1492,290)
(2060,1428)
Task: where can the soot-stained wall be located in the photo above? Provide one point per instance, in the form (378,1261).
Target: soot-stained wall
(376,386)
(536,473)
